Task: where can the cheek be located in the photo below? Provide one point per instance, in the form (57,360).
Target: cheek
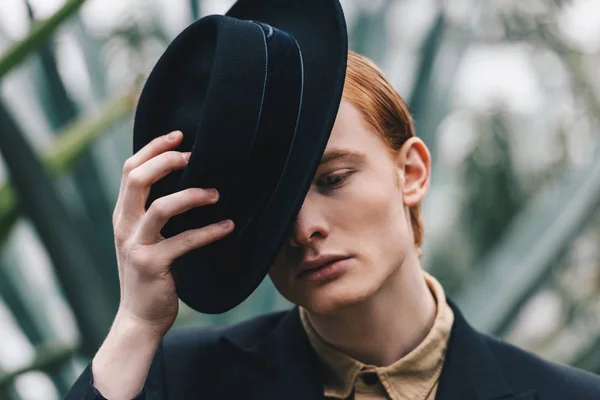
(379,222)
(374,207)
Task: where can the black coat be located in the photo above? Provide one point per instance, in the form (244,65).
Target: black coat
(270,358)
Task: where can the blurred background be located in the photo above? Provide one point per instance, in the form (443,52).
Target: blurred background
(506,94)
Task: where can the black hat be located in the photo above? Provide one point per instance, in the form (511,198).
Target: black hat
(255,93)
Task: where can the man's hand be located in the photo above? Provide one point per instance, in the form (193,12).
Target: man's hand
(149,303)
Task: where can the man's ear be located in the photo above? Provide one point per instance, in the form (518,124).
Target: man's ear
(413,163)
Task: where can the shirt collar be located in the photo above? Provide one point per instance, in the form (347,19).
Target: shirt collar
(411,377)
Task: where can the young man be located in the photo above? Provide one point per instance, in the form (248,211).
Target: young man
(369,322)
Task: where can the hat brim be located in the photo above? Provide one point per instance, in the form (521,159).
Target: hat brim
(319,28)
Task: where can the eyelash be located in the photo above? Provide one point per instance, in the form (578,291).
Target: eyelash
(342,176)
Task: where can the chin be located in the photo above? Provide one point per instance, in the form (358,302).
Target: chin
(337,295)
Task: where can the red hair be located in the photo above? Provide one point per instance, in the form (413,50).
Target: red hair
(384,110)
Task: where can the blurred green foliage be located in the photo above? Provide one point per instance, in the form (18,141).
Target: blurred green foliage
(515,233)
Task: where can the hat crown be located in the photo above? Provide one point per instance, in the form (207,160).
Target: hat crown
(246,156)
(255,94)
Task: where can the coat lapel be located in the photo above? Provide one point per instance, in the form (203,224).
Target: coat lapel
(470,370)
(280,365)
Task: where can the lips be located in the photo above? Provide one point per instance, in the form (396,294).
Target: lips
(319,262)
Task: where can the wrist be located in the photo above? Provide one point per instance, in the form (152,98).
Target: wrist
(128,324)
(121,365)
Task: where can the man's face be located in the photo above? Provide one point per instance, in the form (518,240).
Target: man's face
(354,210)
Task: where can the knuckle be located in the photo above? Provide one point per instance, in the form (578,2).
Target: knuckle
(128,166)
(119,234)
(139,256)
(159,208)
(135,178)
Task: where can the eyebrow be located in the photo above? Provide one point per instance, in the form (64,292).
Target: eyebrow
(347,155)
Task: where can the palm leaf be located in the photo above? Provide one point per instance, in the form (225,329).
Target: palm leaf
(522,260)
(95,225)
(195,9)
(69,146)
(81,283)
(38,35)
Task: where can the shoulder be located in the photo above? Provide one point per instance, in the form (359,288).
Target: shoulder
(189,360)
(525,370)
(191,342)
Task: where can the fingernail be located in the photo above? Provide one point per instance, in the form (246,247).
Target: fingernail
(186,155)
(213,193)
(173,135)
(226,224)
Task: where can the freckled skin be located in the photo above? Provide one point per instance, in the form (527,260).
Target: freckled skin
(353,208)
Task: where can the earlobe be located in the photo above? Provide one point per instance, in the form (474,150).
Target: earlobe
(414,162)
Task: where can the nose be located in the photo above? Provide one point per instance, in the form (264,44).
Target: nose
(308,226)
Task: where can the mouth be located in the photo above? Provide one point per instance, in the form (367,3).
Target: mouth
(322,268)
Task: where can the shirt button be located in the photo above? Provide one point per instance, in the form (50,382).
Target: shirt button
(370,378)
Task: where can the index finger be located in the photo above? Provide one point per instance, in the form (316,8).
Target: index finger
(157,146)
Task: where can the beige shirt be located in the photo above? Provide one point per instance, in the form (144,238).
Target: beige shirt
(413,377)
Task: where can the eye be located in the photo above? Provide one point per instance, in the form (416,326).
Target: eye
(333,180)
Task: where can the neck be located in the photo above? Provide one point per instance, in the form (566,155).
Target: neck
(400,315)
